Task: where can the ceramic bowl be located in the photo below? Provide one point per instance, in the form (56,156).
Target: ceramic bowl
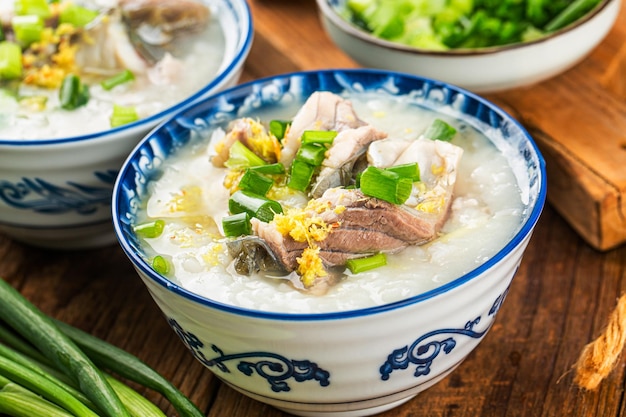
(485,70)
(354,362)
(56,193)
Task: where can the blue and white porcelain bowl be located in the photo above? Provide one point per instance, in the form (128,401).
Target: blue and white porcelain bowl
(355,362)
(481,70)
(56,193)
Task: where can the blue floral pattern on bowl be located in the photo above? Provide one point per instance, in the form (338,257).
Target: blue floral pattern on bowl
(44,197)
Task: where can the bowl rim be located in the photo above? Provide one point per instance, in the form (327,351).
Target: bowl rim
(244,45)
(524,231)
(329,12)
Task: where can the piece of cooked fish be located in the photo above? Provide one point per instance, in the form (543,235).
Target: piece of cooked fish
(322,111)
(338,166)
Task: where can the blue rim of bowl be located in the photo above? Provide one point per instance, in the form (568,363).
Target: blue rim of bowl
(330,12)
(241,54)
(523,232)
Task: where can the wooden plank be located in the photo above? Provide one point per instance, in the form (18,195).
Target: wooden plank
(579,122)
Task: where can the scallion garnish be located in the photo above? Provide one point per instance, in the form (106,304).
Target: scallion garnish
(73,93)
(318,136)
(77,16)
(312,154)
(255,182)
(365,264)
(255,205)
(301,175)
(237,224)
(269,169)
(278,128)
(440,130)
(118,79)
(160,265)
(123,115)
(10,60)
(410,170)
(27,29)
(385,185)
(150,229)
(240,157)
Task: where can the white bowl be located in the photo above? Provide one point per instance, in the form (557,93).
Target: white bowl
(56,193)
(349,363)
(484,70)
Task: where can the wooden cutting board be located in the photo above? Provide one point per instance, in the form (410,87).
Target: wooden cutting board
(578,120)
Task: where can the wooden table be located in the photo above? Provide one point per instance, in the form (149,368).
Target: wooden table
(559,301)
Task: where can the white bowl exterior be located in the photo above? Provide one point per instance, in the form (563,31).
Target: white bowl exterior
(57,194)
(480,72)
(351,350)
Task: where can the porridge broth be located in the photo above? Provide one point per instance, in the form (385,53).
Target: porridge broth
(197,57)
(485,213)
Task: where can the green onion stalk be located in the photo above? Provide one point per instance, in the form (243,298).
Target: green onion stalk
(51,369)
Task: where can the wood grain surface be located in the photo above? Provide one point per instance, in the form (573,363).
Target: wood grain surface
(579,121)
(559,300)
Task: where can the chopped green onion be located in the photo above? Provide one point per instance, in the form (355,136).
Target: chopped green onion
(318,136)
(385,185)
(278,128)
(270,169)
(27,29)
(410,170)
(10,60)
(73,93)
(255,182)
(38,8)
(440,130)
(161,265)
(240,157)
(301,175)
(255,205)
(150,229)
(118,79)
(575,10)
(237,224)
(312,154)
(123,115)
(365,264)
(77,16)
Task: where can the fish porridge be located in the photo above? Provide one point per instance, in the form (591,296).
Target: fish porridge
(164,59)
(472,207)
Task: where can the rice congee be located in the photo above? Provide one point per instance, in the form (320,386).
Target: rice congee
(78,67)
(331,205)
